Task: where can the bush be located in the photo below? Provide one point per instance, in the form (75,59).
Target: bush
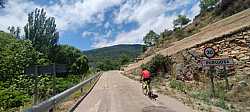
(11,97)
(159,63)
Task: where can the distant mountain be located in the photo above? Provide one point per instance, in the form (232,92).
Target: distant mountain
(113,52)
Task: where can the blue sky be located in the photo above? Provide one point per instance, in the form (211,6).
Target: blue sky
(89,24)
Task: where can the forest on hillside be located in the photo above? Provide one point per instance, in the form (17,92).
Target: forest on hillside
(113,57)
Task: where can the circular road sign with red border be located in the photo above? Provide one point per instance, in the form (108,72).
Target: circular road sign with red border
(209,52)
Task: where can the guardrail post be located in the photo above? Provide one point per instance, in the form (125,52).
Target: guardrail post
(35,96)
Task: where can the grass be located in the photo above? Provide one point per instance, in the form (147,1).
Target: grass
(179,85)
(218,99)
(202,95)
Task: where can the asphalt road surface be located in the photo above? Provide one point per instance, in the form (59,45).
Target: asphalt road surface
(117,93)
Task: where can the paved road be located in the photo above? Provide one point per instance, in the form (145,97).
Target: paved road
(117,93)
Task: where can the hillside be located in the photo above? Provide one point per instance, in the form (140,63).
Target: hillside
(210,32)
(190,81)
(113,53)
(222,10)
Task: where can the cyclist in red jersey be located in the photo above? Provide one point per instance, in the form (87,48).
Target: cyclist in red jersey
(146,76)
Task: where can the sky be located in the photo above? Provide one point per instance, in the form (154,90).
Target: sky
(90,24)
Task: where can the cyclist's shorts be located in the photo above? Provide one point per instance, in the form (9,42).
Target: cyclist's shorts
(146,80)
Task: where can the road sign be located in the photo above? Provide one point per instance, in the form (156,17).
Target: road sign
(209,52)
(217,62)
(49,69)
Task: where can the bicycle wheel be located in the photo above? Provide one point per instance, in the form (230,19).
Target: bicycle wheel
(144,88)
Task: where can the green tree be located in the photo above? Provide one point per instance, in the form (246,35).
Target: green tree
(15,55)
(108,64)
(81,66)
(15,31)
(41,31)
(180,21)
(66,54)
(151,38)
(207,4)
(124,59)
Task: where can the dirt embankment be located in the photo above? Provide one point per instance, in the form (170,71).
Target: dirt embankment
(216,30)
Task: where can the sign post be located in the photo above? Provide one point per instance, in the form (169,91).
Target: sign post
(211,63)
(211,75)
(210,53)
(225,76)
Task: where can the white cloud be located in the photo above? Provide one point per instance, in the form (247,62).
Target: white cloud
(195,10)
(100,42)
(150,15)
(14,14)
(158,24)
(80,13)
(68,15)
(89,34)
(140,11)
(107,25)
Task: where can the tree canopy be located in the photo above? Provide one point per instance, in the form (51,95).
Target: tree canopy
(15,31)
(207,4)
(81,66)
(180,21)
(151,38)
(15,55)
(41,30)
(66,54)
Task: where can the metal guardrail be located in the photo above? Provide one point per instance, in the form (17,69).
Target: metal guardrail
(50,103)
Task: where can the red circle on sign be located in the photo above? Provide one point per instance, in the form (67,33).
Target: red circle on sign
(209,52)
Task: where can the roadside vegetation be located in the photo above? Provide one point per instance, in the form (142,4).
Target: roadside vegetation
(38,46)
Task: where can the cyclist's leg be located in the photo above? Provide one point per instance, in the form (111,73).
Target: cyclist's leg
(149,87)
(144,87)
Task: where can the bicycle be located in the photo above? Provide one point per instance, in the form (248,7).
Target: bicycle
(146,88)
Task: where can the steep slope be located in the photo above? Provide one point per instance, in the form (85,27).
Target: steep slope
(213,31)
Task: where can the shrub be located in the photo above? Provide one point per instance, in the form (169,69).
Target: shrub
(11,97)
(160,63)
